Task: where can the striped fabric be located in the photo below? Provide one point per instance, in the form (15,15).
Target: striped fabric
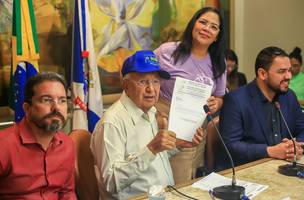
(87,99)
(25,52)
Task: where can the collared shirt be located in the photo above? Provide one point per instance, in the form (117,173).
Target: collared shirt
(272,117)
(124,166)
(29,172)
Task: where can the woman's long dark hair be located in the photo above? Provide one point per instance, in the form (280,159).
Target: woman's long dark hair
(216,49)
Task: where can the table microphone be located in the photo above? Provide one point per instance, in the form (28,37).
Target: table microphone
(227,192)
(294,168)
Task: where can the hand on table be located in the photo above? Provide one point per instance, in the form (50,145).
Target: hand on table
(285,150)
(290,151)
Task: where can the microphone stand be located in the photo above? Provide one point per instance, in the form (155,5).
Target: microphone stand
(227,192)
(294,168)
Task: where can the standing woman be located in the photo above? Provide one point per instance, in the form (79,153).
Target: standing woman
(297,81)
(199,56)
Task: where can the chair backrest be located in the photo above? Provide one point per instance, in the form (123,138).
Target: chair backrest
(85,179)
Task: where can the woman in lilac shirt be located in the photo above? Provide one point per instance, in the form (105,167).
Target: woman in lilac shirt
(199,56)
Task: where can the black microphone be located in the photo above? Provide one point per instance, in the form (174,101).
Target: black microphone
(294,168)
(228,192)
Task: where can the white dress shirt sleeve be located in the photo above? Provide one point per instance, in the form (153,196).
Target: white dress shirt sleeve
(115,170)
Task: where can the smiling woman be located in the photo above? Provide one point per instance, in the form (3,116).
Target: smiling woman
(199,56)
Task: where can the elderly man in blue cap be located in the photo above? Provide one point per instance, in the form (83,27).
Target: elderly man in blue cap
(131,151)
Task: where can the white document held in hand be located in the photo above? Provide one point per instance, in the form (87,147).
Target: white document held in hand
(186,110)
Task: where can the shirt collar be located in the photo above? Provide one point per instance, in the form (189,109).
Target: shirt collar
(135,112)
(27,137)
(262,96)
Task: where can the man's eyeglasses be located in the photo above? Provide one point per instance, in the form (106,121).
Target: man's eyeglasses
(212,26)
(145,83)
(50,101)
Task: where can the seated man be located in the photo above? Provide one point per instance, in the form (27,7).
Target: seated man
(36,159)
(130,150)
(250,121)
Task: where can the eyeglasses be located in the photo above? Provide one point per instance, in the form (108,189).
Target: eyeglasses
(50,101)
(212,26)
(146,83)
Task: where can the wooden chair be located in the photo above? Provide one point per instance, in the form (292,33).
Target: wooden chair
(85,179)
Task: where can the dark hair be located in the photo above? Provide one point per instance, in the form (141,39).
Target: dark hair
(296,53)
(38,79)
(266,57)
(216,49)
(231,55)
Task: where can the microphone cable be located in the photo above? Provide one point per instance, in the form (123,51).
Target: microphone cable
(278,106)
(207,111)
(179,192)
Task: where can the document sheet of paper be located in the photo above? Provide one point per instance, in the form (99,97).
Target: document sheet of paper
(215,180)
(186,110)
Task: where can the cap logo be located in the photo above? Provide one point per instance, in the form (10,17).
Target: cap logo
(152,60)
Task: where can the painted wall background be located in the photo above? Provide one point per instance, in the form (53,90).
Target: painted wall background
(124,27)
(120,27)
(257,24)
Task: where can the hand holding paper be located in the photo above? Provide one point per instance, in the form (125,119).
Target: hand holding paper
(164,140)
(186,110)
(196,140)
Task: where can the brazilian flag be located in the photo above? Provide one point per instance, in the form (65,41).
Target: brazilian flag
(25,53)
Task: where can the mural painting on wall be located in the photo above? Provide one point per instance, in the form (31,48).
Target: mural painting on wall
(124,26)
(53,19)
(120,27)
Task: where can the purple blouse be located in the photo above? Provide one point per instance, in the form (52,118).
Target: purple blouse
(192,69)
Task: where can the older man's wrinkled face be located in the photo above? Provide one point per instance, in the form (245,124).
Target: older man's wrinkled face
(142,89)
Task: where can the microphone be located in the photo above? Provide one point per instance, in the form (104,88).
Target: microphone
(294,168)
(229,192)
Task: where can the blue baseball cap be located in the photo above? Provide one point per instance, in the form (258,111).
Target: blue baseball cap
(143,61)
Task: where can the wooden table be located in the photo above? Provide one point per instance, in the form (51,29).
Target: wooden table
(262,171)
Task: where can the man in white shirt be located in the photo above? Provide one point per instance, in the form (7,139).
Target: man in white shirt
(130,150)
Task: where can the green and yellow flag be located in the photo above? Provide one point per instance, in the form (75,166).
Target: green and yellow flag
(25,52)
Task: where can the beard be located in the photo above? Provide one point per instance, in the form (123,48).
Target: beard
(276,89)
(54,126)
(50,126)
